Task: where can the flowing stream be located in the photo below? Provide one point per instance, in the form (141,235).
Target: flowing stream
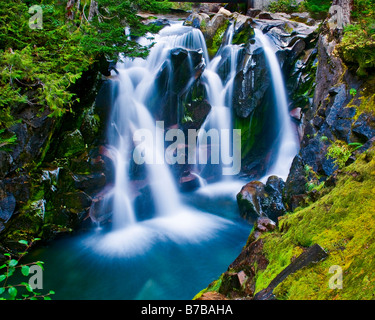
(191,238)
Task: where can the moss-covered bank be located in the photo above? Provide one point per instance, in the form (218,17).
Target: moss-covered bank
(341,221)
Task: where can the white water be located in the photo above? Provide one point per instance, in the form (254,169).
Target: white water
(219,95)
(287,144)
(130,113)
(173,220)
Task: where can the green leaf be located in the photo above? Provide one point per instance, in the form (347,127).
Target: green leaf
(47,298)
(29,288)
(40,264)
(2,290)
(52,292)
(2,277)
(12,263)
(23,242)
(25,270)
(11,271)
(3,266)
(12,292)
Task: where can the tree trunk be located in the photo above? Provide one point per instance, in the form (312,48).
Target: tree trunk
(93,10)
(69,11)
(341,11)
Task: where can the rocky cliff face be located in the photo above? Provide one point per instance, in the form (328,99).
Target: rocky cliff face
(48,178)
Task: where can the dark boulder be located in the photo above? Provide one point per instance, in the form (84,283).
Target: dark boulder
(7,206)
(258,200)
(251,82)
(364,127)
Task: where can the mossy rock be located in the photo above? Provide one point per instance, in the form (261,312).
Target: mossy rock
(72,143)
(343,223)
(214,44)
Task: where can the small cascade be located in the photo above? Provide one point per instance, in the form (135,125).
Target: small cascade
(287,142)
(219,95)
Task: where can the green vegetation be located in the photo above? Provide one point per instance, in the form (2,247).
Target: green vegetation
(39,67)
(214,44)
(358,43)
(317,8)
(287,6)
(342,222)
(23,290)
(213,286)
(341,152)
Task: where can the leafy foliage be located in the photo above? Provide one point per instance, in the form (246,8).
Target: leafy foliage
(24,289)
(288,6)
(341,152)
(358,43)
(317,8)
(39,67)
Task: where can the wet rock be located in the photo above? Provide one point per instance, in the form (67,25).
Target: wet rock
(71,144)
(347,113)
(249,200)
(188,182)
(216,22)
(318,121)
(330,69)
(300,17)
(90,126)
(199,110)
(342,129)
(261,226)
(296,114)
(209,7)
(295,185)
(7,206)
(144,203)
(258,200)
(252,13)
(364,127)
(90,183)
(6,161)
(250,261)
(266,16)
(225,12)
(195,20)
(251,83)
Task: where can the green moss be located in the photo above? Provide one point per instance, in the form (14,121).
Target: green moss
(251,130)
(343,223)
(213,286)
(244,35)
(214,44)
(71,144)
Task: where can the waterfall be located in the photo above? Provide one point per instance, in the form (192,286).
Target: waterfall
(219,95)
(131,114)
(130,123)
(287,143)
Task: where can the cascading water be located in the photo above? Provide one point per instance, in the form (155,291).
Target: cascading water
(287,142)
(130,116)
(219,95)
